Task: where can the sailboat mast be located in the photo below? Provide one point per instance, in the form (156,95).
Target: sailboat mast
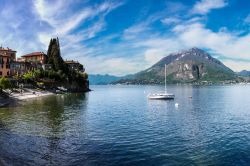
(165,78)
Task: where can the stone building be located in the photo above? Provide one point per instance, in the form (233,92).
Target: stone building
(75,65)
(7,56)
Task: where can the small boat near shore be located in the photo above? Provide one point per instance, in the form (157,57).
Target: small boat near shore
(164,95)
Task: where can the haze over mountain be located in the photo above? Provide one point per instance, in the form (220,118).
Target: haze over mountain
(190,65)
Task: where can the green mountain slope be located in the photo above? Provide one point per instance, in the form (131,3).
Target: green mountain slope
(193,65)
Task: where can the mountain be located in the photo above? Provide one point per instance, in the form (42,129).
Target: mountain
(244,73)
(97,79)
(188,66)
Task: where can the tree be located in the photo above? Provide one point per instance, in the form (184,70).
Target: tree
(28,76)
(85,76)
(54,56)
(4,83)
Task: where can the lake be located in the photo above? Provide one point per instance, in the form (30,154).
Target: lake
(118,125)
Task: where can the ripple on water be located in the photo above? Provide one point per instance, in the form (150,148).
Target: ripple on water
(109,127)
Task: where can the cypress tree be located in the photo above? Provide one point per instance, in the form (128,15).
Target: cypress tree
(54,55)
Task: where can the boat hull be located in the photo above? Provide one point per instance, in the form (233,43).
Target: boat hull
(161,97)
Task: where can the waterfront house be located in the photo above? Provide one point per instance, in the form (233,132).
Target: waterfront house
(7,56)
(35,57)
(10,66)
(36,60)
(75,65)
(20,67)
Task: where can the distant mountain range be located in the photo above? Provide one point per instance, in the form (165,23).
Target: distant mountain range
(98,79)
(244,73)
(188,66)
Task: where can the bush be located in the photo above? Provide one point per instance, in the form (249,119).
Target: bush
(85,76)
(4,83)
(28,76)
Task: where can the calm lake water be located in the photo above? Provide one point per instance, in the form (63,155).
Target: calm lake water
(118,125)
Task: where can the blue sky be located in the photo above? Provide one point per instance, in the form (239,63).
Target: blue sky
(126,36)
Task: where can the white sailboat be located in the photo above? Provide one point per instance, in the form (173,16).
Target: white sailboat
(164,95)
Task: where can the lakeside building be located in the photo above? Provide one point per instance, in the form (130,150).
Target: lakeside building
(75,65)
(20,67)
(37,60)
(10,65)
(7,56)
(35,57)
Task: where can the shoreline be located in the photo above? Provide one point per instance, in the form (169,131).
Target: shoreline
(241,83)
(29,95)
(14,98)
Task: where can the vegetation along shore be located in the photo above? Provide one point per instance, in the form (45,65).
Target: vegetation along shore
(38,74)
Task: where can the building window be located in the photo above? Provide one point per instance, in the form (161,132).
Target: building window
(1,73)
(8,73)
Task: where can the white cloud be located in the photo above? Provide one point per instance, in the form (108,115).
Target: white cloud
(194,34)
(152,46)
(116,66)
(174,7)
(66,20)
(224,43)
(136,48)
(12,32)
(134,31)
(237,65)
(154,55)
(141,28)
(205,6)
(170,20)
(247,19)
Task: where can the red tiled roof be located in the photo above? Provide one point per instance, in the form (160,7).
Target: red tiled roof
(34,54)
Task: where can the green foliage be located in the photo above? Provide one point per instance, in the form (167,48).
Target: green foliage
(4,83)
(54,56)
(59,74)
(28,76)
(37,74)
(217,75)
(85,75)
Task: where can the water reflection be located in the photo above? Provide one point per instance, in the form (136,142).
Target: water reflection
(116,125)
(41,126)
(45,116)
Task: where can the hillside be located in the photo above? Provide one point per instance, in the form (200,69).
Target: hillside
(193,65)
